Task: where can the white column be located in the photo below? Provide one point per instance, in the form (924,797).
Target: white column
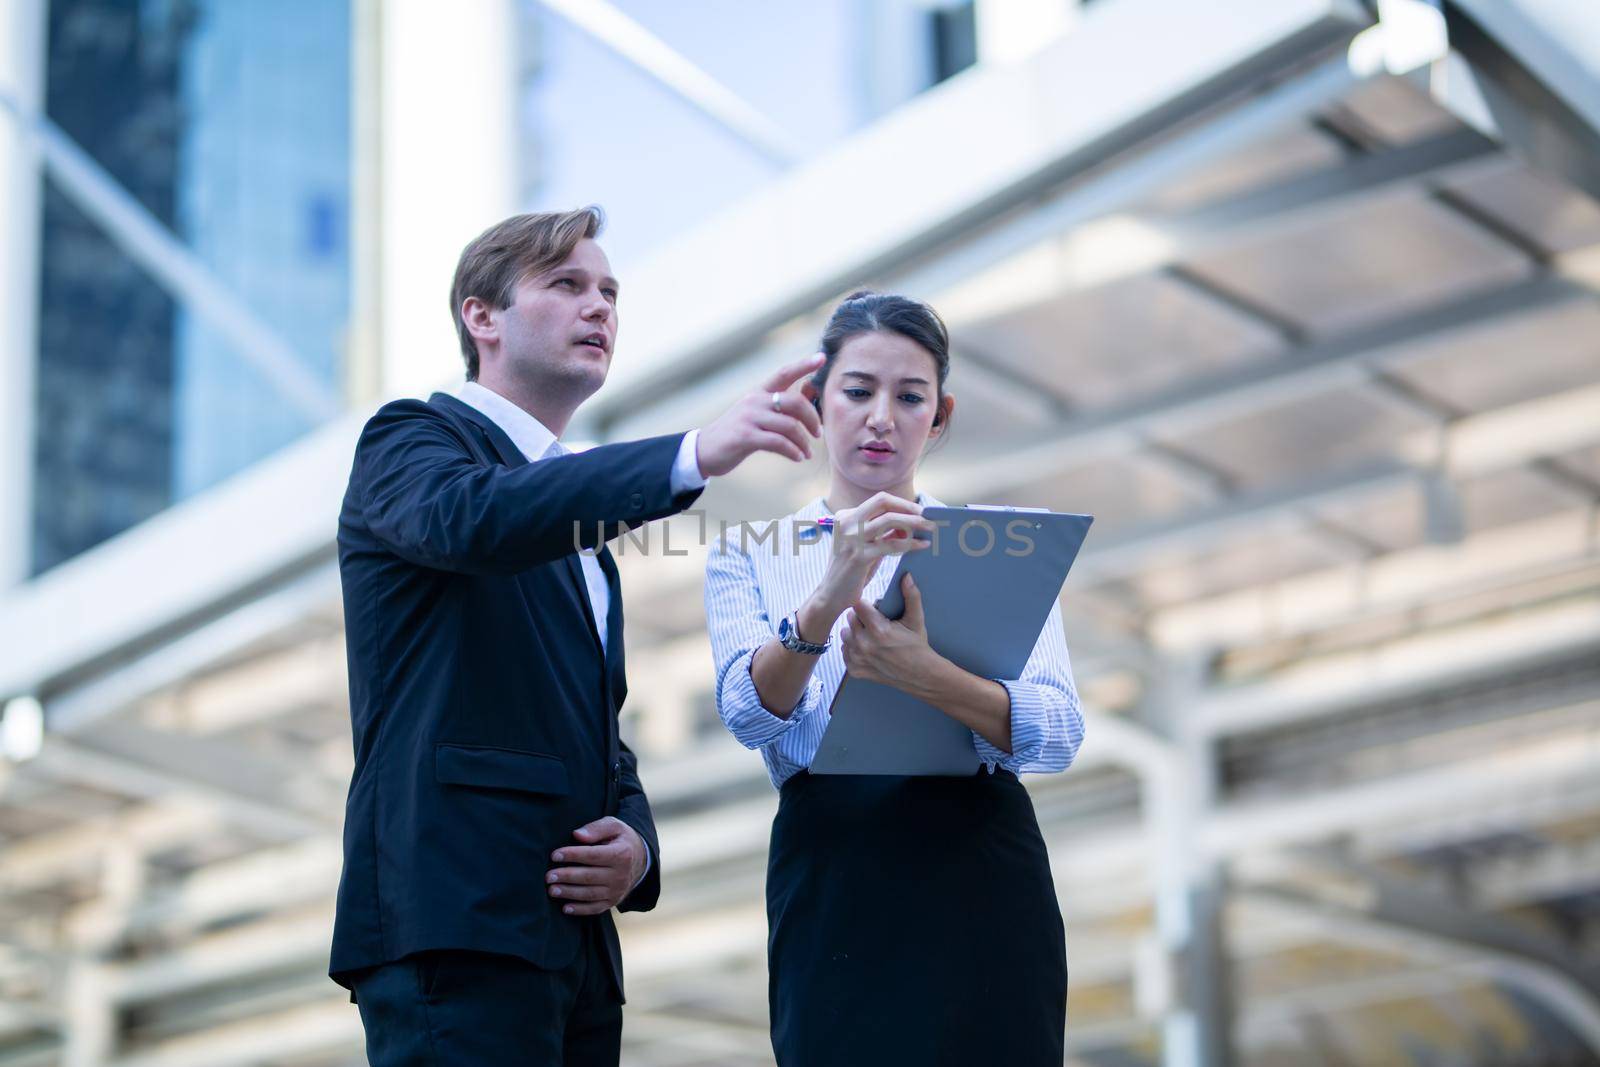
(91,928)
(22,56)
(1012,30)
(1183,977)
(448,170)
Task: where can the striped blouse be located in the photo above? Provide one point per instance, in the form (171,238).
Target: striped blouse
(758,573)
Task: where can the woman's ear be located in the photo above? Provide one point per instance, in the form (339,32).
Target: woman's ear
(941,415)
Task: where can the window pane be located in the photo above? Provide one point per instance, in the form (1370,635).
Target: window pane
(229,122)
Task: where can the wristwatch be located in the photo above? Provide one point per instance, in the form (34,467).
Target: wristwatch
(789,636)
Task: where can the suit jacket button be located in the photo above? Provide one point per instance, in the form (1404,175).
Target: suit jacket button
(636,502)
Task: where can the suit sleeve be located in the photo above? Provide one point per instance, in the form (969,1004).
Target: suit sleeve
(427,499)
(633,808)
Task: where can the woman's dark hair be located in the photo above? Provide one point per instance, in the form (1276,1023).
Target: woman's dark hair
(865,311)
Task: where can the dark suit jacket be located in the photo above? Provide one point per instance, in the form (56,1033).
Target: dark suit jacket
(484,714)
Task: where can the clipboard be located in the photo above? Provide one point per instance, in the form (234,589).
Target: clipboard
(987,585)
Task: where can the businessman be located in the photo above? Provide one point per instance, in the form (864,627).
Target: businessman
(494,818)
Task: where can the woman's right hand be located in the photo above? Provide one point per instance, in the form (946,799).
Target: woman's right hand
(883,525)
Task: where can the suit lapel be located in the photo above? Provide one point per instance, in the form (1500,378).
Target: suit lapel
(510,455)
(499,443)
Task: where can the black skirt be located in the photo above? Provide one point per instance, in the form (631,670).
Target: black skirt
(912,921)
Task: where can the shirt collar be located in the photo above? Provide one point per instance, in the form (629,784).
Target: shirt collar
(532,438)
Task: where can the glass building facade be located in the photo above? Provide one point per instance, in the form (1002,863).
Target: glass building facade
(228,123)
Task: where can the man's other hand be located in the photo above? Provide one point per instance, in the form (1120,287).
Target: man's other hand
(594,875)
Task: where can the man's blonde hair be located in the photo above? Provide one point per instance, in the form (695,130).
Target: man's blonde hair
(498,258)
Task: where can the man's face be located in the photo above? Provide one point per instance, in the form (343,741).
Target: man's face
(561,327)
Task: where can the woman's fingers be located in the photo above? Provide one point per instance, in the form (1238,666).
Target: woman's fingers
(872,528)
(899,546)
(879,503)
(876,505)
(875,530)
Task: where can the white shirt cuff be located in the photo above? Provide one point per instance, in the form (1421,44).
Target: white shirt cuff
(686,474)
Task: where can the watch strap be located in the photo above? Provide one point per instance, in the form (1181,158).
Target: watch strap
(789,635)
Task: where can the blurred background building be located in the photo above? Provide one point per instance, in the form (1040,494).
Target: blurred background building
(1298,297)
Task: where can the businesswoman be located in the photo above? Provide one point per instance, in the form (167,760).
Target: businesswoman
(911,920)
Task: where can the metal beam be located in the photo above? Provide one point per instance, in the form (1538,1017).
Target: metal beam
(297,938)
(77,707)
(1198,404)
(1479,444)
(1411,664)
(150,244)
(43,860)
(1445,973)
(1076,241)
(213,551)
(879,203)
(1385,897)
(64,761)
(1389,916)
(327,1028)
(674,72)
(1465,825)
(1554,870)
(1384,584)
(266,880)
(1532,87)
(1511,776)
(244,773)
(1104,249)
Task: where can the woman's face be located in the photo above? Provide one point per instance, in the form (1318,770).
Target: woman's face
(878,406)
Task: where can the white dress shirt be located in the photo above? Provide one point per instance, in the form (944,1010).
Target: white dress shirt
(535,441)
(750,586)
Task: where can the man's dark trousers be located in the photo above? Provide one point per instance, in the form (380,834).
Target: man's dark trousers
(437,1009)
(484,711)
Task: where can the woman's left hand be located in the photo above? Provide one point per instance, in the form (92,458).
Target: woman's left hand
(893,652)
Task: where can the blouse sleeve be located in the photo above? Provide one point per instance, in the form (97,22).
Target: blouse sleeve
(1046,718)
(738,626)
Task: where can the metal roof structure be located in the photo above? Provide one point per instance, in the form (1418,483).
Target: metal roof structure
(1318,343)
